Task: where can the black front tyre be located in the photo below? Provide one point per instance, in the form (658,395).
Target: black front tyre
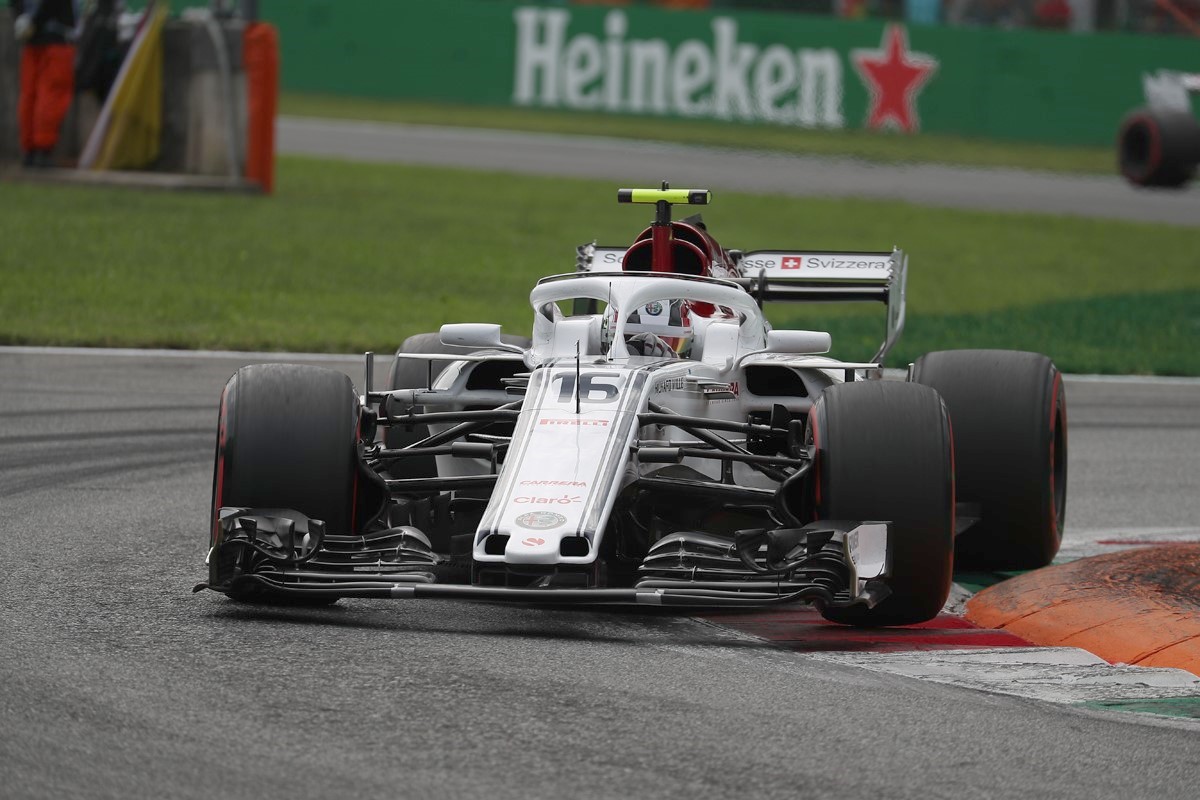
(1010,435)
(884,453)
(287,437)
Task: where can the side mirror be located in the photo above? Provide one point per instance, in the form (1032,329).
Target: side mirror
(804,342)
(483,335)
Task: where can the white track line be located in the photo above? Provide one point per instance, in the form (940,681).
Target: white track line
(1093,534)
(1162,380)
(1051,674)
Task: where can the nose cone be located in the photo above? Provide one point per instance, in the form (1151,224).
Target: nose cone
(533,546)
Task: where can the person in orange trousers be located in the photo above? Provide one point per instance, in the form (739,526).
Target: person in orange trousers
(47,30)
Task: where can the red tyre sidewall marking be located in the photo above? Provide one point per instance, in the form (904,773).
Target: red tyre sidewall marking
(219,481)
(816,467)
(953,482)
(1054,400)
(1155,147)
(354,491)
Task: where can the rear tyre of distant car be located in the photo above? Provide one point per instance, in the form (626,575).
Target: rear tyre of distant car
(1159,147)
(884,453)
(1009,414)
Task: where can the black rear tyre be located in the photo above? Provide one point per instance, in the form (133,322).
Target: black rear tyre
(884,453)
(287,438)
(1159,147)
(1010,434)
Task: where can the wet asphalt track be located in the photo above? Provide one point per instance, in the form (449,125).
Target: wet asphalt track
(117,682)
(642,163)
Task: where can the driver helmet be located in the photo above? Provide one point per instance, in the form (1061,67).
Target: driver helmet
(665,321)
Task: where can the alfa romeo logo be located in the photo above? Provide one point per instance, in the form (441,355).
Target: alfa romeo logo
(654,309)
(541,520)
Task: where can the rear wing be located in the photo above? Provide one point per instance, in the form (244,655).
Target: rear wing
(807,276)
(1168,90)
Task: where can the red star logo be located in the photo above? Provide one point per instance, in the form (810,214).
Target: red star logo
(894,75)
(791,263)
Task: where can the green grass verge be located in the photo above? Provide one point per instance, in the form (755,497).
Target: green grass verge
(1186,707)
(866,145)
(1127,333)
(348,257)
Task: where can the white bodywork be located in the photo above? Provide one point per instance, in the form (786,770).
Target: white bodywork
(571,453)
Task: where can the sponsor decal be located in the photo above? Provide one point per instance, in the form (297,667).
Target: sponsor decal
(736,388)
(894,76)
(717,77)
(533,541)
(576,421)
(541,520)
(671,384)
(594,387)
(758,263)
(719,392)
(654,309)
(792,262)
(554,483)
(830,262)
(565,500)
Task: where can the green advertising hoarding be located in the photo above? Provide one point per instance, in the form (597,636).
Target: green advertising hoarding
(766,68)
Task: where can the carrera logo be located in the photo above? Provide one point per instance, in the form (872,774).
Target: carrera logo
(583,423)
(554,483)
(565,500)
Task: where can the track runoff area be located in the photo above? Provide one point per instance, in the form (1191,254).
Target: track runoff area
(1110,626)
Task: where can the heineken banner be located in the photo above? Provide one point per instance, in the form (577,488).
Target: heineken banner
(764,68)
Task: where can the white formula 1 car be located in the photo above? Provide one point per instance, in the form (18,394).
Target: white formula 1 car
(656,442)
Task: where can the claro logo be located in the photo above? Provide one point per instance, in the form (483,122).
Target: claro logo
(565,500)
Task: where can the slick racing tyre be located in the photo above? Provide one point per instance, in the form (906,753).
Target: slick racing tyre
(1159,147)
(408,373)
(287,439)
(884,453)
(1010,435)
